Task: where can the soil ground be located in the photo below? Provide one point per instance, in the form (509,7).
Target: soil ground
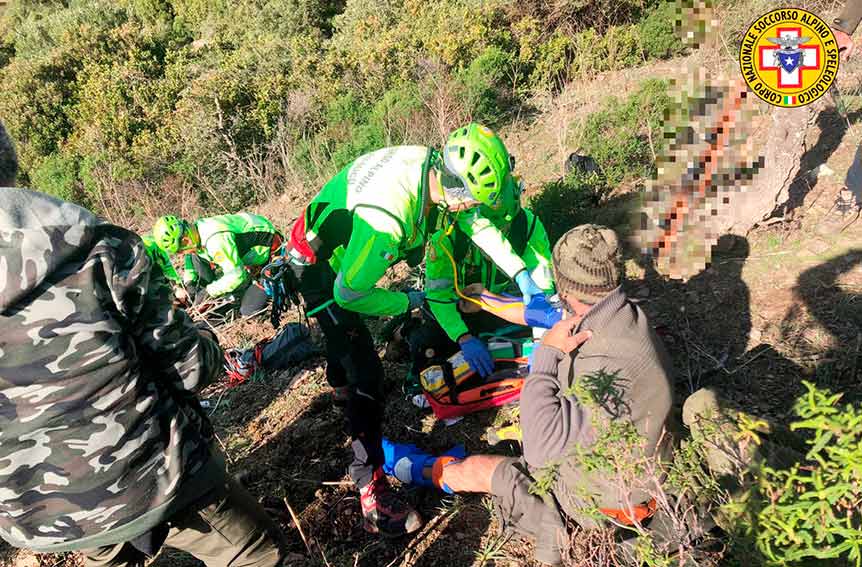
(778,307)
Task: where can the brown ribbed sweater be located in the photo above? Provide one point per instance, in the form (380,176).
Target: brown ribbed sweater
(553,423)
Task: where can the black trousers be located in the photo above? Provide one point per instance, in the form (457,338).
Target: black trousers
(351,360)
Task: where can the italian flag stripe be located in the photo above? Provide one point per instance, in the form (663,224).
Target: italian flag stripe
(789,99)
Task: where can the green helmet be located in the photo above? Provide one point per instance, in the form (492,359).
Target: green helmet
(508,205)
(167,233)
(479,160)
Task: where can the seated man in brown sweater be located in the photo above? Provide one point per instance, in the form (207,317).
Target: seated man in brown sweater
(602,334)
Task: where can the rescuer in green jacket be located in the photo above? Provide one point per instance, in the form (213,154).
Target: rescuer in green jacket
(161,259)
(453,262)
(375,212)
(235,244)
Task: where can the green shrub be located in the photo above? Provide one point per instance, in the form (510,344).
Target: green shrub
(811,510)
(553,58)
(483,85)
(656,32)
(202,92)
(57,175)
(623,134)
(568,202)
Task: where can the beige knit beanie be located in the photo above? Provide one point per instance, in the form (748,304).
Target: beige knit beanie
(587,262)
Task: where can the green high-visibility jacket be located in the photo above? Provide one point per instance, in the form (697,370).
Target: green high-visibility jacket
(231,242)
(372,215)
(528,238)
(160,258)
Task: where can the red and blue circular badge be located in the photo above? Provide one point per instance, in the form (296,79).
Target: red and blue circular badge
(789,57)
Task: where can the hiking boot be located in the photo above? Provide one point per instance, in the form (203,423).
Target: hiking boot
(384,512)
(340,394)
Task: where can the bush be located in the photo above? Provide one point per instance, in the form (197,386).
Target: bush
(568,202)
(625,135)
(483,85)
(58,175)
(202,94)
(810,511)
(656,33)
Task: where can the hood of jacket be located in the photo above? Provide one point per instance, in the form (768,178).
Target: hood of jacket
(39,234)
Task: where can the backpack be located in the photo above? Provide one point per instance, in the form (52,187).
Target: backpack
(291,345)
(453,390)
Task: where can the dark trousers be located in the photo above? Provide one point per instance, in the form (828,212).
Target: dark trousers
(521,511)
(228,529)
(351,360)
(253,297)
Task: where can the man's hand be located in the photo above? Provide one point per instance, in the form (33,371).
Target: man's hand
(845,45)
(181,295)
(560,335)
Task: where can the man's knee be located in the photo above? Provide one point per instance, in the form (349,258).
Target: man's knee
(526,513)
(717,429)
(516,506)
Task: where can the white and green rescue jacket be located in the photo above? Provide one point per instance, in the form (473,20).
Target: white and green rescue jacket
(231,242)
(374,213)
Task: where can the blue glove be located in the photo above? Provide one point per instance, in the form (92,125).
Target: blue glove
(477,356)
(406,462)
(540,313)
(527,286)
(415,299)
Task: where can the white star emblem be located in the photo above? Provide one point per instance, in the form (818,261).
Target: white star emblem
(788,61)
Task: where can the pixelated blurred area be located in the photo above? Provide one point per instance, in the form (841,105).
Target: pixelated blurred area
(708,158)
(729,162)
(696,22)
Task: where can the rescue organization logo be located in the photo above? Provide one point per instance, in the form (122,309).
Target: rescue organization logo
(789,57)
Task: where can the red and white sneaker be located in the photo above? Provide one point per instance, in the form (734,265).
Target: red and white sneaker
(384,512)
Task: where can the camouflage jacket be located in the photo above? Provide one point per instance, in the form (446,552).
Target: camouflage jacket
(101,437)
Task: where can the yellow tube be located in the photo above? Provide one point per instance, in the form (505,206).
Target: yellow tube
(483,304)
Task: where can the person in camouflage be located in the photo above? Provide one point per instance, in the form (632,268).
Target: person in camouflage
(104,446)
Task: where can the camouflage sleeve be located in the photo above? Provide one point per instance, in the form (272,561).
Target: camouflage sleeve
(171,345)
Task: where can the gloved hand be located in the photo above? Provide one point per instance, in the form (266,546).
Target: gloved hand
(528,287)
(477,355)
(415,299)
(540,313)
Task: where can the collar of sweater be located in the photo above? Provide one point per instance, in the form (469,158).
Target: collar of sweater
(602,312)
